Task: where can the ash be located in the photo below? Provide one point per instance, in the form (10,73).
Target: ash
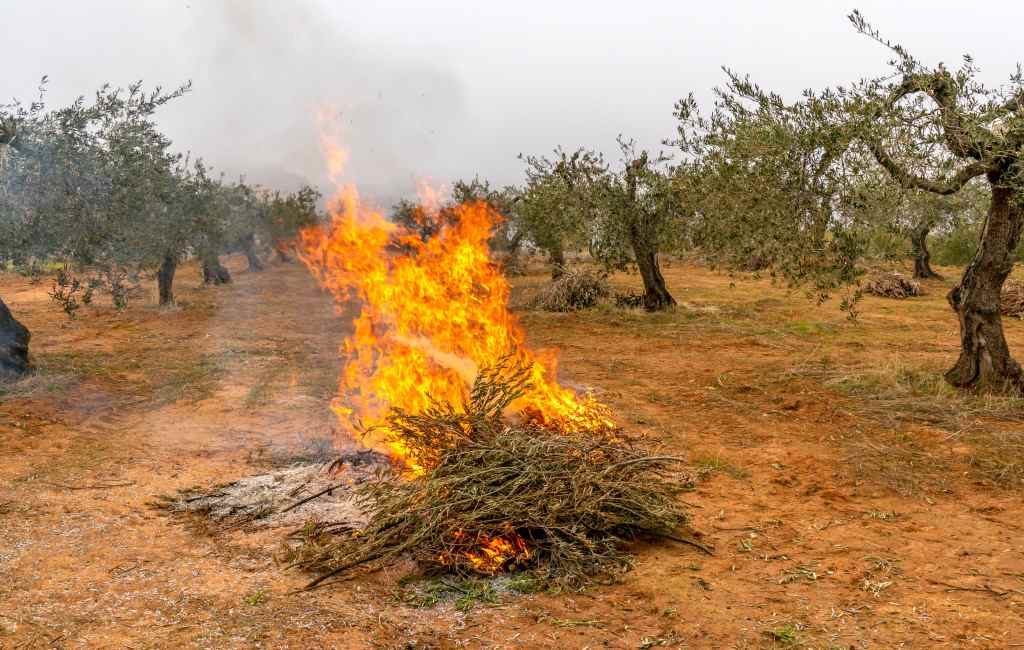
(288,497)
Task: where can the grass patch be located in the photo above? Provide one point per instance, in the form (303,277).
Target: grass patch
(810,328)
(997,457)
(38,383)
(466,594)
(898,461)
(895,393)
(185,380)
(706,467)
(786,635)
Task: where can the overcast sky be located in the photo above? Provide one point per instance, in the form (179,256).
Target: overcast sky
(442,90)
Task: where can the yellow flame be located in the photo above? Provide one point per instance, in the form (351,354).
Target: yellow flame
(432,312)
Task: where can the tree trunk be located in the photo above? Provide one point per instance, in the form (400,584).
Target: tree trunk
(656,295)
(985,363)
(165,280)
(922,258)
(214,272)
(282,256)
(14,338)
(249,246)
(557,255)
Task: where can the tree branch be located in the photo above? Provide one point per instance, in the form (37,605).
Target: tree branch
(939,86)
(912,181)
(1014,105)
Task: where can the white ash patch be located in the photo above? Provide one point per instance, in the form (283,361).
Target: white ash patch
(278,499)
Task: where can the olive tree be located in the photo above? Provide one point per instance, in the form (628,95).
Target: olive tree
(289,213)
(927,113)
(638,215)
(555,202)
(930,129)
(247,215)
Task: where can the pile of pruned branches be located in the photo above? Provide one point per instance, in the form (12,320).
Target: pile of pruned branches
(496,496)
(1011,302)
(574,290)
(892,285)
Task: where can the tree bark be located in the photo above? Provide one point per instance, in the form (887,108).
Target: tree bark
(14,339)
(214,272)
(165,280)
(557,255)
(985,363)
(656,295)
(249,247)
(922,258)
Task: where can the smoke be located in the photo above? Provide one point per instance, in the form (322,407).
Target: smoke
(264,71)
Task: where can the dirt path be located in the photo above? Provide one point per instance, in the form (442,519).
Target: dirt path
(835,525)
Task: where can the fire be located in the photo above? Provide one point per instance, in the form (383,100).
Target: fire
(491,554)
(432,312)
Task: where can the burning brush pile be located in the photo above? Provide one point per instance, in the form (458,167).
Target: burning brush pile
(499,494)
(498,466)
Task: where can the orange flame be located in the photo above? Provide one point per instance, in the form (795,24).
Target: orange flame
(432,312)
(493,554)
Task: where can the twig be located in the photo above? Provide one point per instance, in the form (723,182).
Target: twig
(688,540)
(313,496)
(985,589)
(96,486)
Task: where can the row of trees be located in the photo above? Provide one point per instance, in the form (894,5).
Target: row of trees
(805,191)
(97,187)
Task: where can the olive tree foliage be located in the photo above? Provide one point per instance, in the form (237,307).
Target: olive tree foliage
(89,183)
(769,187)
(556,202)
(247,218)
(929,129)
(919,214)
(286,215)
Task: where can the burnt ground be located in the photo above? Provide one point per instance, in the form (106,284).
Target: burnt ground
(852,499)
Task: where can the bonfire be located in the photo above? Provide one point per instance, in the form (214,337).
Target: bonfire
(499,466)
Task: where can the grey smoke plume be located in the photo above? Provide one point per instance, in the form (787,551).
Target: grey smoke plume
(451,88)
(265,71)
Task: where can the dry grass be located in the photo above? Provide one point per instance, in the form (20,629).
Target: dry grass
(892,285)
(575,290)
(894,394)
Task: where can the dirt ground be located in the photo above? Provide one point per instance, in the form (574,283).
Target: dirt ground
(851,499)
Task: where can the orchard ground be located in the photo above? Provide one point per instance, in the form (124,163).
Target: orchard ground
(852,499)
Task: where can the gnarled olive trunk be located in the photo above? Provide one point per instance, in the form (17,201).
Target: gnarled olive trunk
(14,338)
(249,247)
(985,363)
(213,271)
(557,256)
(919,248)
(165,279)
(656,295)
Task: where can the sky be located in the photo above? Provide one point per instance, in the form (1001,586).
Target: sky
(437,91)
